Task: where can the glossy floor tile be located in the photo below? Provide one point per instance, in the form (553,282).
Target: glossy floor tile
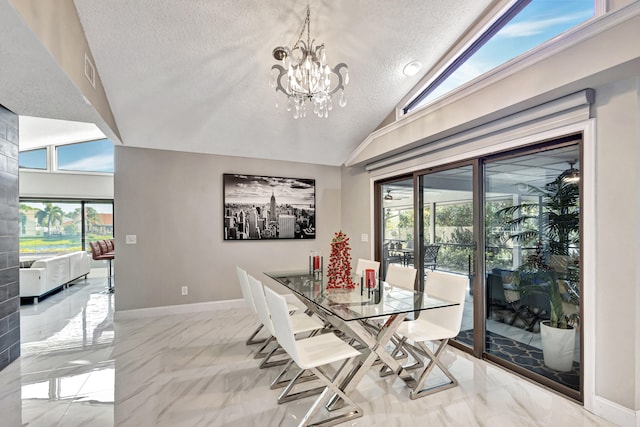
(80,368)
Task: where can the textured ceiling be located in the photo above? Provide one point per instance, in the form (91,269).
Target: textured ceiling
(194,75)
(31,81)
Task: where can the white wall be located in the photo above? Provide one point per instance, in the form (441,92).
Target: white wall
(66,185)
(617,115)
(172,202)
(357,215)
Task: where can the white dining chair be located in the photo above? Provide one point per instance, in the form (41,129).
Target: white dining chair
(403,277)
(301,323)
(248,299)
(364,264)
(441,324)
(312,354)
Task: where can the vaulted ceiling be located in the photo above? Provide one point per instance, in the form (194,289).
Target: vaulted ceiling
(194,76)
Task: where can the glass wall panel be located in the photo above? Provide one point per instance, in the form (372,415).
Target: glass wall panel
(51,227)
(48,228)
(98,221)
(447,215)
(397,224)
(532,260)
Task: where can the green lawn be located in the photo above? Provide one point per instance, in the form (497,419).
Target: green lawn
(39,244)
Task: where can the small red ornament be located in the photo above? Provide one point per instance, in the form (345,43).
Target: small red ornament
(339,268)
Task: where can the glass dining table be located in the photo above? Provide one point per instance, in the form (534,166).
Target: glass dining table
(351,311)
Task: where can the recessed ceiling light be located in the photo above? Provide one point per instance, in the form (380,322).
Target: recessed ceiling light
(412,68)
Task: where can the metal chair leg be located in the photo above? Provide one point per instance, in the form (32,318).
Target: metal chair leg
(251,340)
(287,396)
(109,278)
(330,390)
(418,391)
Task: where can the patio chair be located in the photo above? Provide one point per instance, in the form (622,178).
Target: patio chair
(389,256)
(431,256)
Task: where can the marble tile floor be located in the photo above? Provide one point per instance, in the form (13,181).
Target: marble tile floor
(79,368)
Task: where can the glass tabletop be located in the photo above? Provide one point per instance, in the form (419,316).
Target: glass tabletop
(357,303)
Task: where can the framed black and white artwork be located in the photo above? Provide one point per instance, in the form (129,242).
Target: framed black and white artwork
(268,207)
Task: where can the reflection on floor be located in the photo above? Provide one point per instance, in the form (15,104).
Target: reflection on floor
(78,368)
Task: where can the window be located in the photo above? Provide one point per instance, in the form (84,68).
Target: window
(33,159)
(92,156)
(524,267)
(523,27)
(98,221)
(50,227)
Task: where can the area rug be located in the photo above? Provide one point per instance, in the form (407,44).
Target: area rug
(525,356)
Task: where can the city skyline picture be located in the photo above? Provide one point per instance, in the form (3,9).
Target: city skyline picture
(267,207)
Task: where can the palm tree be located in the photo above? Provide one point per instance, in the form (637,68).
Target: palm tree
(560,215)
(91,217)
(73,215)
(49,215)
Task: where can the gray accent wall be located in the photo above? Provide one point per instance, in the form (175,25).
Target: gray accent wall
(172,202)
(9,258)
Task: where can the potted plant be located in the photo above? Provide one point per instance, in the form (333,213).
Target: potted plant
(557,334)
(553,270)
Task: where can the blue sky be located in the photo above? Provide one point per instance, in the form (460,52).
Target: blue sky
(34,159)
(93,156)
(540,21)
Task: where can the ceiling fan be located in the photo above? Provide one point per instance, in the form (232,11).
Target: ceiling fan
(389,197)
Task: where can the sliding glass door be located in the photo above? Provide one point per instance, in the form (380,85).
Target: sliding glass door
(532,263)
(510,223)
(447,231)
(398,223)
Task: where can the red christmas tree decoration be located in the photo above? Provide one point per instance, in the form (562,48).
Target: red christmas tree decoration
(339,268)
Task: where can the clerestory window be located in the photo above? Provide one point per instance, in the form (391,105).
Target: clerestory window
(525,25)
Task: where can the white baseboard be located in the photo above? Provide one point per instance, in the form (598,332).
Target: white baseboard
(615,413)
(178,309)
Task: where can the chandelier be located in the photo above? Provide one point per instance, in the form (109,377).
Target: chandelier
(304,76)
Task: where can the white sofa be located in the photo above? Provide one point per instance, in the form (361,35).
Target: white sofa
(49,274)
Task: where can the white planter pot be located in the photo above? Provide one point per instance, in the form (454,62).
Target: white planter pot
(558,346)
